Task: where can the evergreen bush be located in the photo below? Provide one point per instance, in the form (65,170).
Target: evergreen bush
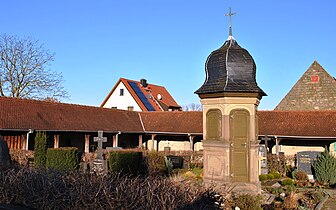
(246,202)
(276,175)
(287,182)
(125,162)
(62,159)
(262,177)
(40,149)
(270,176)
(325,168)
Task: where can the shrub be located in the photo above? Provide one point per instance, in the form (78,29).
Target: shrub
(287,182)
(40,149)
(325,168)
(301,175)
(275,163)
(42,189)
(61,159)
(155,164)
(276,175)
(262,177)
(247,201)
(270,176)
(125,162)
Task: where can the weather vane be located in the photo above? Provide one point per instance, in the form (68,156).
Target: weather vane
(230,15)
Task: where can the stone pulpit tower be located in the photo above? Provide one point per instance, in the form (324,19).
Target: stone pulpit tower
(230,97)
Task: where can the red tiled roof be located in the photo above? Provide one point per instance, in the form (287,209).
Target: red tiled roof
(154,90)
(298,123)
(173,122)
(24,114)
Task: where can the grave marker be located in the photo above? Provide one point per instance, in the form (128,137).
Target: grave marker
(100,139)
(305,161)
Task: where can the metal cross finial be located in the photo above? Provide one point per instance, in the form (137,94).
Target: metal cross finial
(230,15)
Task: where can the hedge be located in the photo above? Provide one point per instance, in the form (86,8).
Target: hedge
(65,158)
(125,162)
(40,149)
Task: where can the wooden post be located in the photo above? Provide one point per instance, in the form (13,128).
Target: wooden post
(277,147)
(153,141)
(87,144)
(191,140)
(56,141)
(114,140)
(140,141)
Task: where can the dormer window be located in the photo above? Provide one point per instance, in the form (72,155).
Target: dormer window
(121,92)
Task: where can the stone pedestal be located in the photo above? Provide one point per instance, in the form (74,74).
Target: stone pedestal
(230,144)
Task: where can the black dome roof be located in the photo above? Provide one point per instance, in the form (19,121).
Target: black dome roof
(230,68)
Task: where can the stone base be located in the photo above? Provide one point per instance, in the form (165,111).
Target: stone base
(235,187)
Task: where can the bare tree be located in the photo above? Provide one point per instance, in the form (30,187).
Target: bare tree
(192,107)
(25,72)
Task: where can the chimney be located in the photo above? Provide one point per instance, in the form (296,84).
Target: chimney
(143,82)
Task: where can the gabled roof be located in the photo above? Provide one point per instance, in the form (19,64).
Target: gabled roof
(316,89)
(24,114)
(163,103)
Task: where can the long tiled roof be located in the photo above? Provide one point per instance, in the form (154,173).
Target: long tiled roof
(24,114)
(173,122)
(298,123)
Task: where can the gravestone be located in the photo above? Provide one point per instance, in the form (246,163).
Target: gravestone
(305,162)
(99,162)
(4,153)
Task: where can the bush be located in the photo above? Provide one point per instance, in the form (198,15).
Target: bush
(40,149)
(125,162)
(270,176)
(276,175)
(275,163)
(41,189)
(325,168)
(301,175)
(155,164)
(247,202)
(262,177)
(62,159)
(287,182)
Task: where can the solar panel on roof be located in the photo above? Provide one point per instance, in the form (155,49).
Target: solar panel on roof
(142,96)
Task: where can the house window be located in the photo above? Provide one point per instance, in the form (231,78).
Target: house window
(121,92)
(130,108)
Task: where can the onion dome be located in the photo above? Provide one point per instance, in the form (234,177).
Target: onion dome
(230,70)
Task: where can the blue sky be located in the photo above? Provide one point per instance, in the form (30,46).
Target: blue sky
(167,41)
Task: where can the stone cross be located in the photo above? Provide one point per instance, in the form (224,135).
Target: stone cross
(230,15)
(266,139)
(100,139)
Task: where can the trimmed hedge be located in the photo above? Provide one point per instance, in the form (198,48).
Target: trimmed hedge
(125,162)
(40,149)
(62,159)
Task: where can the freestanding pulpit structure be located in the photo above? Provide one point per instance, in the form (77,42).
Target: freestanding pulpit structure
(230,97)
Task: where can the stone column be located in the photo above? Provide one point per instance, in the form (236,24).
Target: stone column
(87,144)
(56,141)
